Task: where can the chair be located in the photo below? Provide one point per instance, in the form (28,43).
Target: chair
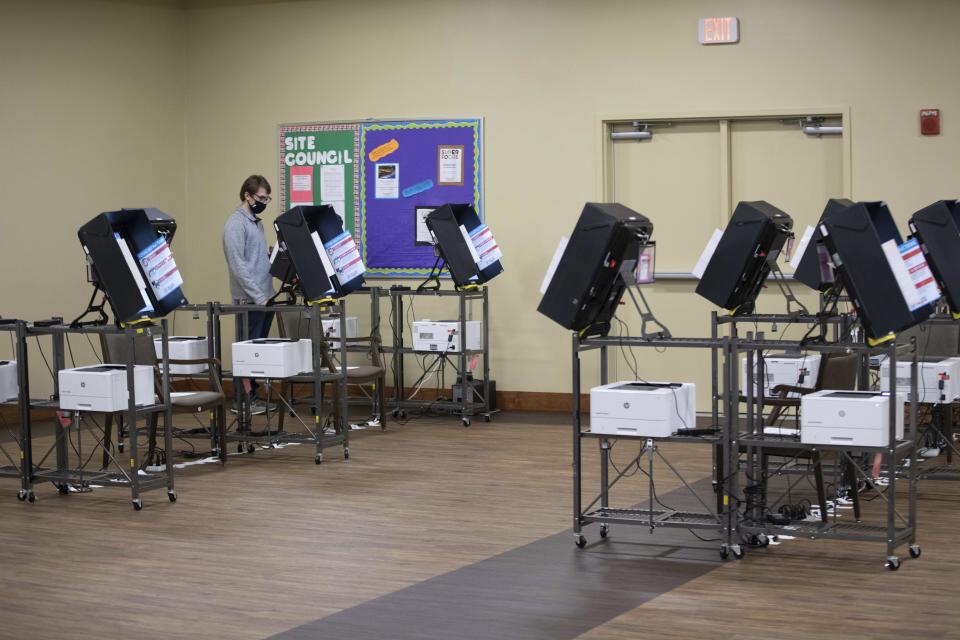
(116,348)
(933,340)
(936,341)
(296,325)
(838,371)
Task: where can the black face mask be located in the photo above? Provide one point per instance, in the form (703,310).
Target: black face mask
(257,207)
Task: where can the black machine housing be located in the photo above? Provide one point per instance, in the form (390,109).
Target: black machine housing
(445,222)
(109,270)
(854,238)
(299,256)
(747,251)
(808,270)
(937,228)
(588,283)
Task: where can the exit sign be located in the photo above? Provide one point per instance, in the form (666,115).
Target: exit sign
(719,30)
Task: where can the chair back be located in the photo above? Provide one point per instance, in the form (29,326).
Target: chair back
(838,371)
(116,349)
(933,340)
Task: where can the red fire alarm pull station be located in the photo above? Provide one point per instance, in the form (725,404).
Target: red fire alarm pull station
(930,122)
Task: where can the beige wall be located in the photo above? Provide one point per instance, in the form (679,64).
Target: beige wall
(541,73)
(91,120)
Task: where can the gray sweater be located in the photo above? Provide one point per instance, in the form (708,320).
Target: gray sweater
(245,248)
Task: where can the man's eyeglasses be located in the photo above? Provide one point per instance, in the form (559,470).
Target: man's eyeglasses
(263,199)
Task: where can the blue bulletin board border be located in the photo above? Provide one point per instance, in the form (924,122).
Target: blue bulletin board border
(476,124)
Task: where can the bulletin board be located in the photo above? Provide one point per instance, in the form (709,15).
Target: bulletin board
(318,165)
(377,174)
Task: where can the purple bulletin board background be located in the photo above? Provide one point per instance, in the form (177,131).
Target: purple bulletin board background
(388,226)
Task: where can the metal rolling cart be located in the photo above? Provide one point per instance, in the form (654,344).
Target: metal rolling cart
(942,425)
(721,518)
(375,294)
(826,325)
(19,463)
(272,436)
(468,406)
(70,424)
(896,530)
(210,431)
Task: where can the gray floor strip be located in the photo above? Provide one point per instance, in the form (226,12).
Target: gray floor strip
(547,589)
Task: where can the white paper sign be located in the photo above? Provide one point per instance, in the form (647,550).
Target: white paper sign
(345,257)
(920,273)
(387,181)
(301,182)
(708,251)
(486,247)
(900,273)
(331,183)
(466,238)
(423,232)
(161,269)
(450,165)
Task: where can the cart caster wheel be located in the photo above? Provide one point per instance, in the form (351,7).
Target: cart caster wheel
(893,563)
(760,540)
(31,497)
(915,551)
(63,489)
(172,495)
(487,418)
(21,495)
(251,448)
(604,531)
(346,454)
(240,447)
(775,539)
(738,551)
(724,552)
(466,422)
(318,460)
(580,541)
(120,448)
(137,504)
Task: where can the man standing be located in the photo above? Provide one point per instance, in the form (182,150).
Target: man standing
(248,260)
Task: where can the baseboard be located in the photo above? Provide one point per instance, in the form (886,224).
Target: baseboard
(534,401)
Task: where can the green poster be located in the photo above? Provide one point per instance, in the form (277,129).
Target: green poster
(319,167)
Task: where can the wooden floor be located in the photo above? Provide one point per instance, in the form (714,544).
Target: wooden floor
(273,542)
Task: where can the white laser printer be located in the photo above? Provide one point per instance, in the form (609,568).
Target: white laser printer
(184,348)
(331,329)
(272,358)
(103,387)
(938,381)
(794,369)
(9,386)
(651,409)
(444,335)
(855,418)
